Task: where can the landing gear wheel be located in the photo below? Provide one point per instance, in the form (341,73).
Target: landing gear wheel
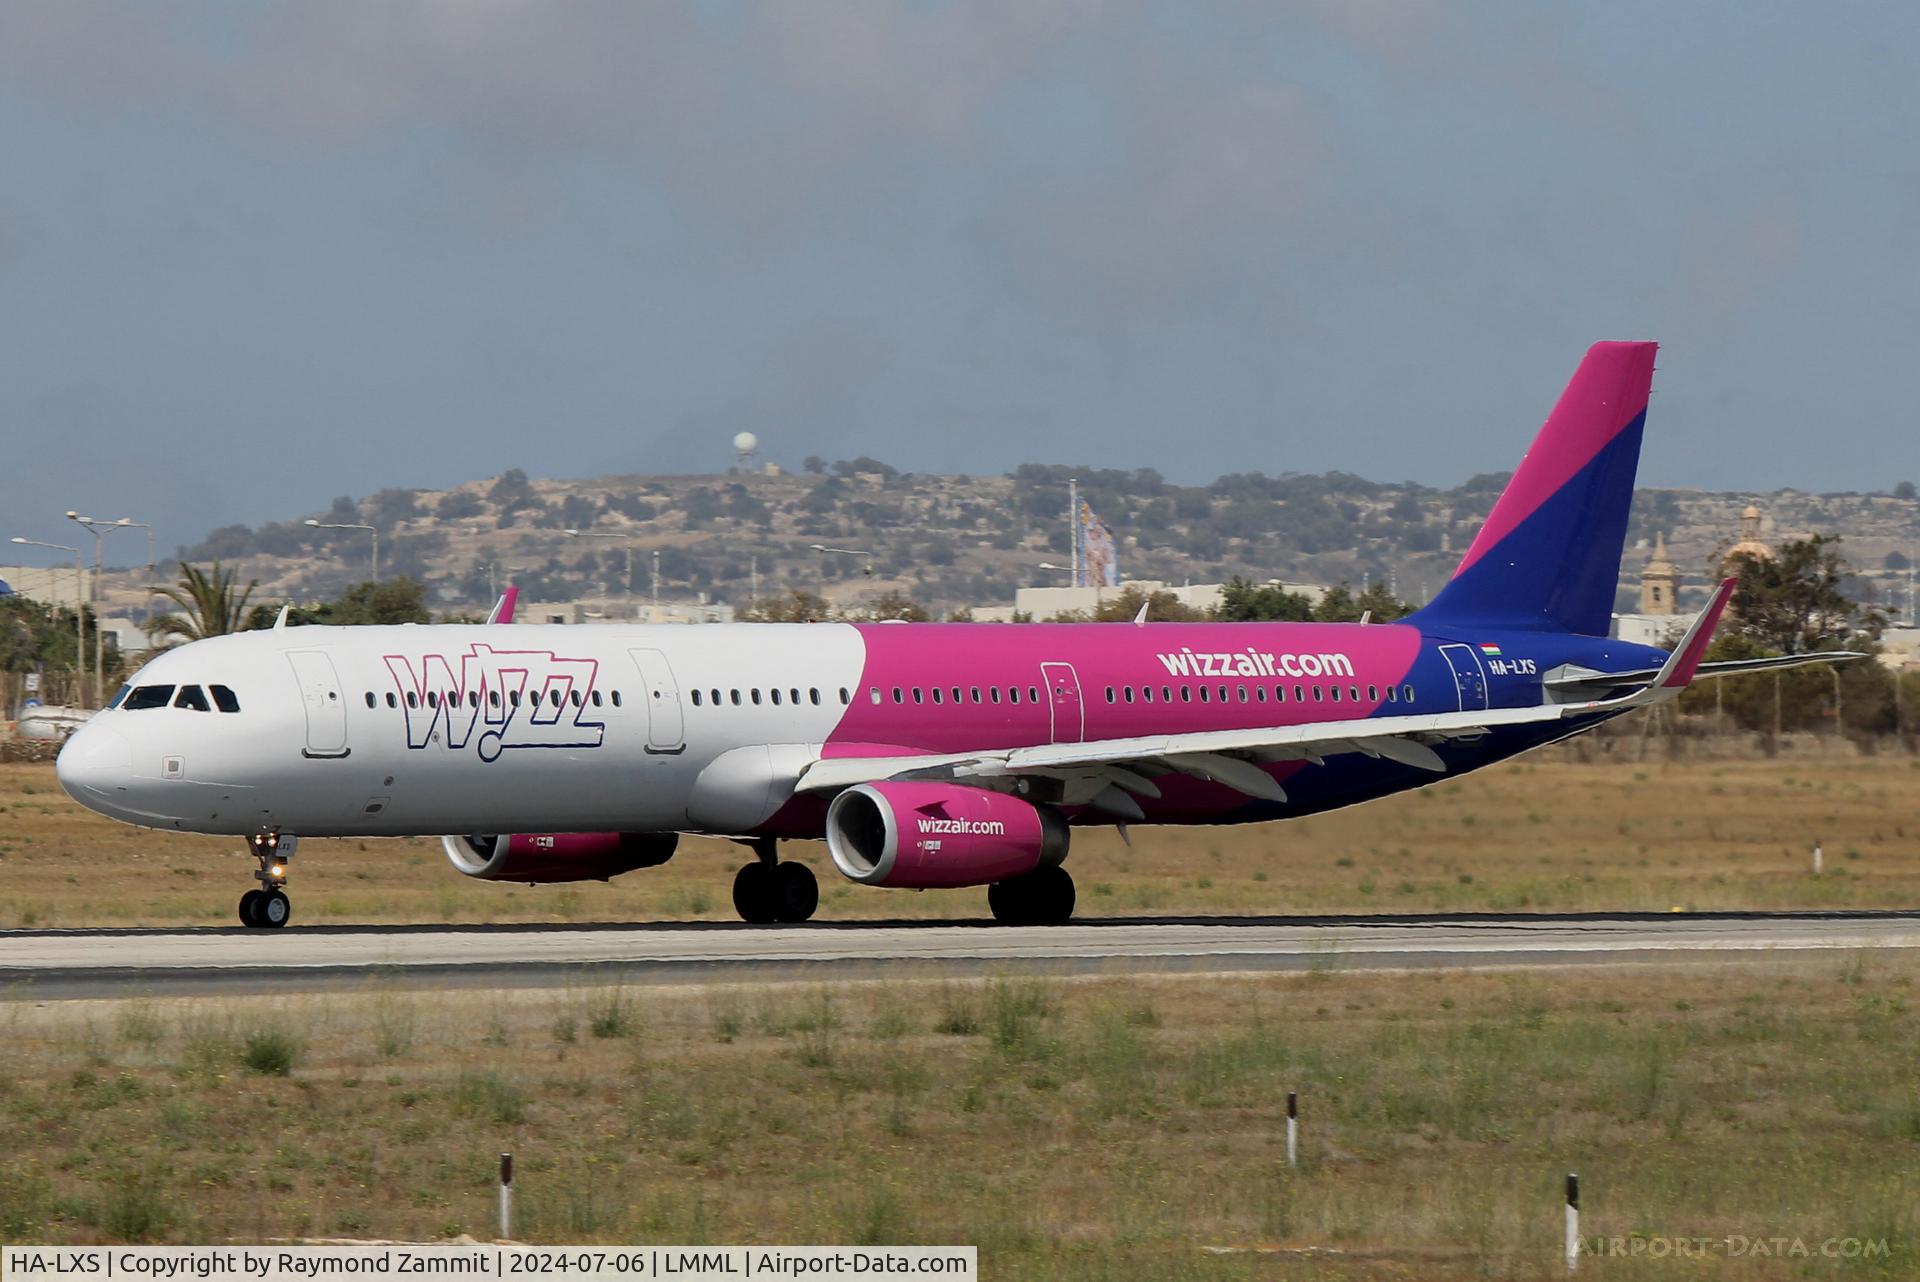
(756,894)
(1043,897)
(273,909)
(796,893)
(250,907)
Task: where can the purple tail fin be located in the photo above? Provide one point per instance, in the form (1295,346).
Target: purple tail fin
(1548,556)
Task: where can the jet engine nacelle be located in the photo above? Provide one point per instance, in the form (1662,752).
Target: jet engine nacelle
(925,835)
(550,857)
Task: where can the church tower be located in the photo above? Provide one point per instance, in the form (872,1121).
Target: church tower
(1660,581)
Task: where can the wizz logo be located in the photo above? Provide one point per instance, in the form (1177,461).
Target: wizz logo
(498,699)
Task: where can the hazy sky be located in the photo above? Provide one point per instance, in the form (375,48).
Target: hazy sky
(256,254)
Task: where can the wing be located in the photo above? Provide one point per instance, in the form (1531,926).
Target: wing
(1579,681)
(1109,774)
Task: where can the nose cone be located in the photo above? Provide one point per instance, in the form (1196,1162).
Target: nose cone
(95,766)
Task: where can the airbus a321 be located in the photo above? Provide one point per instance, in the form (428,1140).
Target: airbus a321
(928,755)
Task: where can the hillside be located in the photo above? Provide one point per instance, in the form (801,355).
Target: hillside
(954,541)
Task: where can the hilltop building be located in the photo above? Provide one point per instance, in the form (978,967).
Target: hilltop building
(1044,603)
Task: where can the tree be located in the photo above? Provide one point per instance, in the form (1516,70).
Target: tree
(1905,490)
(1243,601)
(796,606)
(1162,607)
(209,607)
(1340,605)
(891,604)
(1793,602)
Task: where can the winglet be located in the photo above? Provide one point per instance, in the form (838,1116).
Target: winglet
(1140,619)
(1680,666)
(280,619)
(503,608)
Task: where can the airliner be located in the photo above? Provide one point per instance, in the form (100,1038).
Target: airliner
(928,755)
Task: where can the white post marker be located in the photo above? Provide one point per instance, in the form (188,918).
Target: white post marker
(1573,1222)
(506,1195)
(1293,1128)
(1816,858)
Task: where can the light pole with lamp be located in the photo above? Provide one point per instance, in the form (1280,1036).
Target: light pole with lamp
(99,529)
(329,525)
(79,615)
(599,534)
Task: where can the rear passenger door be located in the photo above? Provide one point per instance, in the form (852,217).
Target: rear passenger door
(666,726)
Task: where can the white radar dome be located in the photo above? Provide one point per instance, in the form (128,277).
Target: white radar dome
(746,443)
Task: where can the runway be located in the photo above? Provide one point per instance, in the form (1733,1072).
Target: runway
(57,964)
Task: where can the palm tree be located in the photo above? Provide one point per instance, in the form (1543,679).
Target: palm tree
(208,605)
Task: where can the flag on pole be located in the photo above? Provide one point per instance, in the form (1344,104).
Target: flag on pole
(1099,564)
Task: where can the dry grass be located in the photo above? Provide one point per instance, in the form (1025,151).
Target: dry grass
(1547,833)
(1095,1128)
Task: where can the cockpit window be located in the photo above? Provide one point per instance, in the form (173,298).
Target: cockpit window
(119,696)
(144,697)
(224,699)
(193,698)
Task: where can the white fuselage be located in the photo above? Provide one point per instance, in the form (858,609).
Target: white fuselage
(462,728)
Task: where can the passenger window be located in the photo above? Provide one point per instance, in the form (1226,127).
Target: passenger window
(793,696)
(845,697)
(192,698)
(554,699)
(1110,694)
(1203,694)
(873,694)
(975,691)
(1336,693)
(956,694)
(735,696)
(391,701)
(696,698)
(577,700)
(1033,694)
(616,698)
(1260,693)
(755,692)
(897,697)
(513,697)
(775,692)
(1392,693)
(1166,694)
(371,701)
(1373,694)
(1127,693)
(224,699)
(1317,695)
(433,698)
(713,695)
(1186,694)
(493,697)
(993,694)
(813,696)
(413,699)
(936,694)
(595,696)
(1353,693)
(145,697)
(1243,694)
(1299,694)
(1013,694)
(1146,694)
(1406,692)
(119,696)
(1279,694)
(917,695)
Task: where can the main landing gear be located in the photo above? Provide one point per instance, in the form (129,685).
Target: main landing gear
(1043,897)
(267,908)
(771,889)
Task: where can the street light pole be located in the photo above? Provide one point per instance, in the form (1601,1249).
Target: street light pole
(326,525)
(99,529)
(79,617)
(601,534)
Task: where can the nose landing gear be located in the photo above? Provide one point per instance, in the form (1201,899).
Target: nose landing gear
(268,908)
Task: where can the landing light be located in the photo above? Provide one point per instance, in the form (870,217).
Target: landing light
(278,870)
